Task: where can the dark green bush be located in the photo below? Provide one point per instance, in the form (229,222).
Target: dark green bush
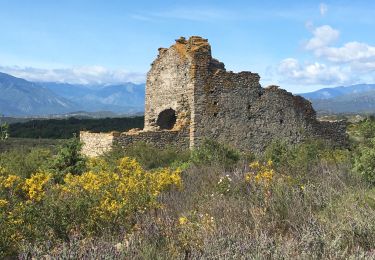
(68,159)
(301,158)
(364,161)
(149,156)
(212,152)
(366,128)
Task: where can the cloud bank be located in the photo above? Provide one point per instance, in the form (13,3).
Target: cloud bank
(352,62)
(79,75)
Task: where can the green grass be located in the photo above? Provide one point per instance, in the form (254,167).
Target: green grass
(27,144)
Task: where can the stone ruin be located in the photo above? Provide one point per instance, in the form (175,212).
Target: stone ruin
(190,96)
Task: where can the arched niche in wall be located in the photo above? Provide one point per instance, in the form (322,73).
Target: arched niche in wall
(166,119)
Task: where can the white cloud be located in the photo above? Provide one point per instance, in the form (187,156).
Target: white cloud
(316,73)
(323,8)
(323,36)
(353,62)
(79,75)
(359,56)
(349,52)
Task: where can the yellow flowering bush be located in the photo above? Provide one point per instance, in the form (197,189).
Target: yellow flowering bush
(11,211)
(111,196)
(261,173)
(105,197)
(8,181)
(34,186)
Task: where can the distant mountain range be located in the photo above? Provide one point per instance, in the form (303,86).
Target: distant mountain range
(19,97)
(351,99)
(125,98)
(22,98)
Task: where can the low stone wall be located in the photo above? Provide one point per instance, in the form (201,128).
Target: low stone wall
(333,131)
(160,139)
(95,144)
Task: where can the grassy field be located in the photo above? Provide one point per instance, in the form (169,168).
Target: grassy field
(27,144)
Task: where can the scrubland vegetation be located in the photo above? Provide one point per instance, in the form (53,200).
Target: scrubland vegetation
(306,201)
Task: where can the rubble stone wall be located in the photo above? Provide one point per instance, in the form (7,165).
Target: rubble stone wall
(160,139)
(96,143)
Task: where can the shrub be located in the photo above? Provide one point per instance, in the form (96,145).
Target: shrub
(150,157)
(301,158)
(68,159)
(212,152)
(364,161)
(278,152)
(366,128)
(24,162)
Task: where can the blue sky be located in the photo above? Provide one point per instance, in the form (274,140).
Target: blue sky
(299,45)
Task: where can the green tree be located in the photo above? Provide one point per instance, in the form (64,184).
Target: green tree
(69,159)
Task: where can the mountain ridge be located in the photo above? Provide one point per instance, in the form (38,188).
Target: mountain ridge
(20,97)
(352,99)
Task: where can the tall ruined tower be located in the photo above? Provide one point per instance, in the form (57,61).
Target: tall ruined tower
(172,83)
(191,97)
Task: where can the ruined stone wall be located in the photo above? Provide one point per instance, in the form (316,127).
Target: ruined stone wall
(96,144)
(160,139)
(332,132)
(233,108)
(195,98)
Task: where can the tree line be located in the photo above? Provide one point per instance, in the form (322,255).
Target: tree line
(66,128)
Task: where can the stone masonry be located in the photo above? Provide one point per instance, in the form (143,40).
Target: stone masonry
(190,96)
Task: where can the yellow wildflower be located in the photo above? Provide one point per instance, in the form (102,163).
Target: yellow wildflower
(261,173)
(182,220)
(3,203)
(35,184)
(254,165)
(10,180)
(269,163)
